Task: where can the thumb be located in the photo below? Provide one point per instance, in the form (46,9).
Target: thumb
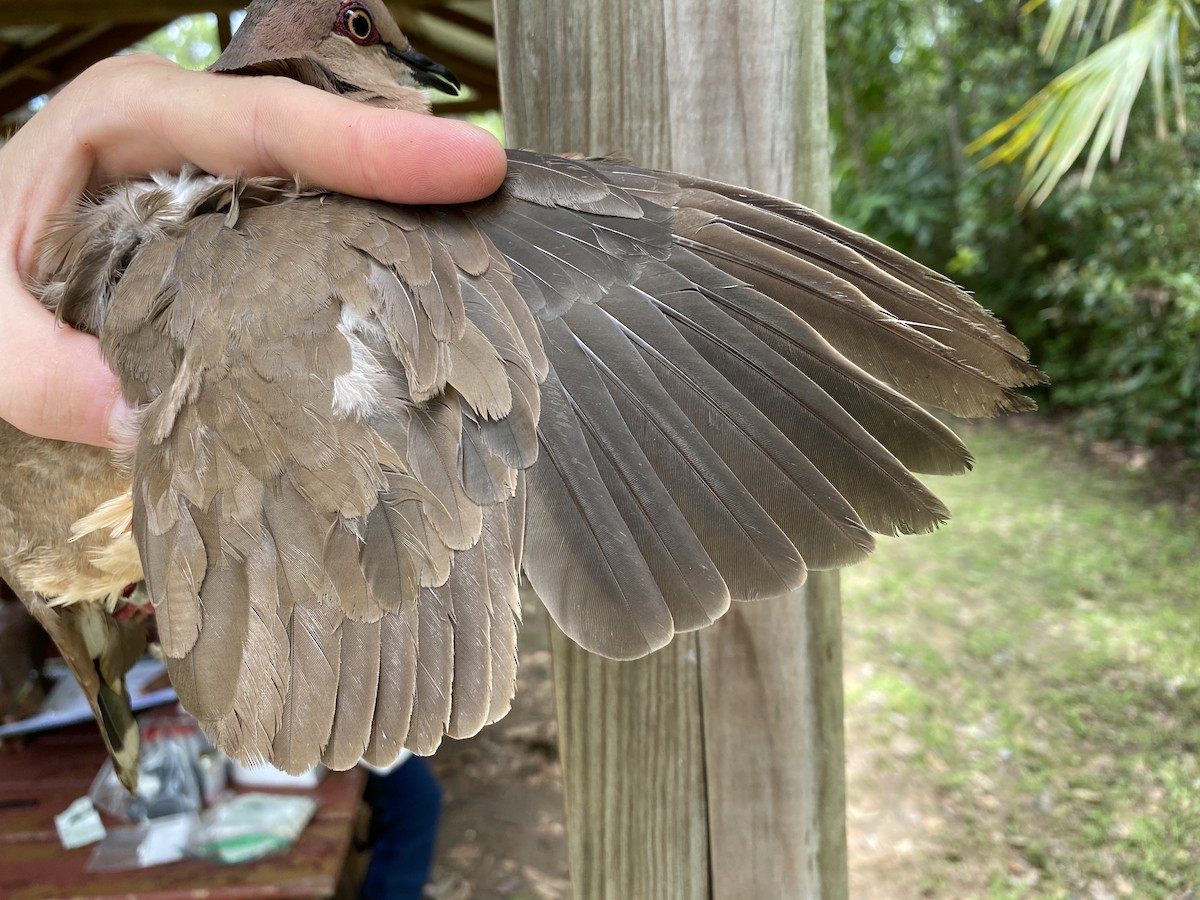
(53,381)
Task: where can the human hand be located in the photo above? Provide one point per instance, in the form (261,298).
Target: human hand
(128,116)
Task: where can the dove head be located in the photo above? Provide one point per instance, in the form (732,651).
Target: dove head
(351,47)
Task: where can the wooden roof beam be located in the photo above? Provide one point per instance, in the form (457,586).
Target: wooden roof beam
(461,19)
(17,92)
(83,12)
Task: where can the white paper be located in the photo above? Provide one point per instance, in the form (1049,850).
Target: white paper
(166,840)
(79,825)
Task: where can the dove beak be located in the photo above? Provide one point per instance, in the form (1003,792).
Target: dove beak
(427,72)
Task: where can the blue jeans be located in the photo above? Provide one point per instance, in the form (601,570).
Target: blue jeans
(405,805)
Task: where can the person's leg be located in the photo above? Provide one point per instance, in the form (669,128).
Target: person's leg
(405,805)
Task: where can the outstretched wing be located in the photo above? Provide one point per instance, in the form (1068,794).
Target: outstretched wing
(728,403)
(656,394)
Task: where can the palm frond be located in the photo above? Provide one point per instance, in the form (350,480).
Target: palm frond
(1091,101)
(1080,19)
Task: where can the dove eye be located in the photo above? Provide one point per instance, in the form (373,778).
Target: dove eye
(356,23)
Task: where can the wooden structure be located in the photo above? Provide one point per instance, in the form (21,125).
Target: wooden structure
(44,44)
(713,768)
(41,778)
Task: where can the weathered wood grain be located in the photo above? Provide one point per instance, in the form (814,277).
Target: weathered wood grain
(713,768)
(633,772)
(771,677)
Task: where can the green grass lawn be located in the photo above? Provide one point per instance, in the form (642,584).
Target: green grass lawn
(1040,657)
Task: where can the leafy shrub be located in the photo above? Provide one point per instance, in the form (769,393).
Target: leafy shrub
(1101,283)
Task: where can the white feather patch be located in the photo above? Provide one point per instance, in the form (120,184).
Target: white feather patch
(359,392)
(185,188)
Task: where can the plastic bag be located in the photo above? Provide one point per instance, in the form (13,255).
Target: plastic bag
(152,843)
(250,826)
(167,782)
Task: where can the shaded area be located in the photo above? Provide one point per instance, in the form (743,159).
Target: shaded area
(502,831)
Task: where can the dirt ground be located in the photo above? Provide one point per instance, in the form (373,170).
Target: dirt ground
(502,831)
(892,822)
(503,835)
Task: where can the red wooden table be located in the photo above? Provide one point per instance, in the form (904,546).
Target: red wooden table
(41,778)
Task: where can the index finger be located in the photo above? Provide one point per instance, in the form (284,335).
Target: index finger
(135,115)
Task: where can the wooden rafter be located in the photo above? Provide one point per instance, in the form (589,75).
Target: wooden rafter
(87,32)
(81,12)
(38,69)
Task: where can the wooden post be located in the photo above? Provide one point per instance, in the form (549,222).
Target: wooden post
(715,767)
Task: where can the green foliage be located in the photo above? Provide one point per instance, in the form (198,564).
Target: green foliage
(190,41)
(1093,100)
(490,121)
(1099,282)
(1112,308)
(1122,326)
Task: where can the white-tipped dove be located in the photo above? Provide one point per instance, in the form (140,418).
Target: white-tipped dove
(651,393)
